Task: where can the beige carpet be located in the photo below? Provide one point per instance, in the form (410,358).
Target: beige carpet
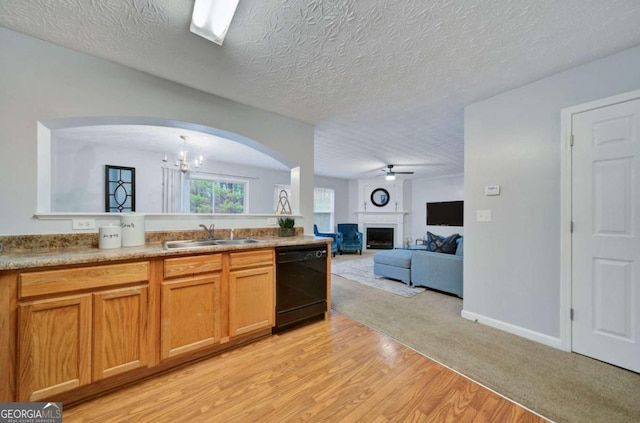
(561,386)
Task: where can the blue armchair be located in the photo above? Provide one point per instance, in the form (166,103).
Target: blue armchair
(337,238)
(351,238)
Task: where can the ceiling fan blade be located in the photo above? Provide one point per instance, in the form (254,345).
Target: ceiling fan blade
(393,172)
(418,164)
(388,170)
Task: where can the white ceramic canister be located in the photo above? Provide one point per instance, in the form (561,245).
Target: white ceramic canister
(132,229)
(109,236)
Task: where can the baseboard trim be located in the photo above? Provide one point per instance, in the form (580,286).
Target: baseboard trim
(515,330)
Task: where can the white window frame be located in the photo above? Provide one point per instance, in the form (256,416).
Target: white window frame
(198,176)
(331,212)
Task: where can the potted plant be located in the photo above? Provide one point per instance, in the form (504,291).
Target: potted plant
(286,226)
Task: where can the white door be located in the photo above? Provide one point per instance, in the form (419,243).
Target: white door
(606,234)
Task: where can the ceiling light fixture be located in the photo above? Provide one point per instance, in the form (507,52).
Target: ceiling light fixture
(390,175)
(211,18)
(182,163)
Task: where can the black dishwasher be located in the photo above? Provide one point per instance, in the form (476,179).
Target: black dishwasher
(301,284)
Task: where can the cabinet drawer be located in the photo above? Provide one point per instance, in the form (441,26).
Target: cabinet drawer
(251,258)
(193,265)
(81,278)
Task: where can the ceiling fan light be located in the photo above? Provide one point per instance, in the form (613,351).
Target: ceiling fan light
(211,18)
(390,177)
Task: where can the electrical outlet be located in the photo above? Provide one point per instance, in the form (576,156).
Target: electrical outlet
(272,221)
(83,224)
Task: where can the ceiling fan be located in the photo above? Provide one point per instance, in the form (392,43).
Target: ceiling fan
(391,175)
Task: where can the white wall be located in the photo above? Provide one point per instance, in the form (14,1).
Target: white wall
(427,190)
(354,201)
(512,264)
(42,81)
(78,178)
(408,207)
(341,195)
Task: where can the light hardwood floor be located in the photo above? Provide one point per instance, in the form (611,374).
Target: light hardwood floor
(335,370)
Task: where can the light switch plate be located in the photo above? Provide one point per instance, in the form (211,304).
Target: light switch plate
(483,215)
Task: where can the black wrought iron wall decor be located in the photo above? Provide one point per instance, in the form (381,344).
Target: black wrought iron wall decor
(120,189)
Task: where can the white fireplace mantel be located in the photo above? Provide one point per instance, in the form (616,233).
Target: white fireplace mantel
(393,220)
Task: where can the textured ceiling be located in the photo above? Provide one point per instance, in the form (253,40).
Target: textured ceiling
(384,81)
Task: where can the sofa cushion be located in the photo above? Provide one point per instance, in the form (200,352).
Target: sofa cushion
(396,258)
(440,244)
(460,247)
(437,271)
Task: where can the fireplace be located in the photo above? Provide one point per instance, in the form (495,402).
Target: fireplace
(378,220)
(380,238)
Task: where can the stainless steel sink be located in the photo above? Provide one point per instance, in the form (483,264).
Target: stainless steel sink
(174,245)
(237,241)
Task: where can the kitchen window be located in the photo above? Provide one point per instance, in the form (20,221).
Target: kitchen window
(217,196)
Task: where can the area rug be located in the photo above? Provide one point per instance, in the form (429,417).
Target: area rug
(361,271)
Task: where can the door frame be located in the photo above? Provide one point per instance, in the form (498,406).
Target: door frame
(565,206)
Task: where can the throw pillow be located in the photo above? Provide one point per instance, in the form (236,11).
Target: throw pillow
(440,244)
(450,244)
(433,241)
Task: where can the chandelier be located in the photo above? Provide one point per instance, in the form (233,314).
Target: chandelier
(183,163)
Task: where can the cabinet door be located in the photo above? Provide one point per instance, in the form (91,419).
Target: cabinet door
(190,314)
(54,347)
(251,300)
(120,341)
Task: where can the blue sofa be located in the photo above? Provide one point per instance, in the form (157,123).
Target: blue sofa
(439,271)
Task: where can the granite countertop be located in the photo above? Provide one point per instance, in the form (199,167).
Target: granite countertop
(80,255)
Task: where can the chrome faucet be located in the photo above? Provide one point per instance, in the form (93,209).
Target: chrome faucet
(208,230)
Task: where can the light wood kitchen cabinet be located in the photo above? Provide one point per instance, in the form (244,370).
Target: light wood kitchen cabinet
(190,304)
(72,340)
(120,319)
(68,333)
(251,291)
(54,346)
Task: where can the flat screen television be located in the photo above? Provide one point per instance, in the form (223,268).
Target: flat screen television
(446,213)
